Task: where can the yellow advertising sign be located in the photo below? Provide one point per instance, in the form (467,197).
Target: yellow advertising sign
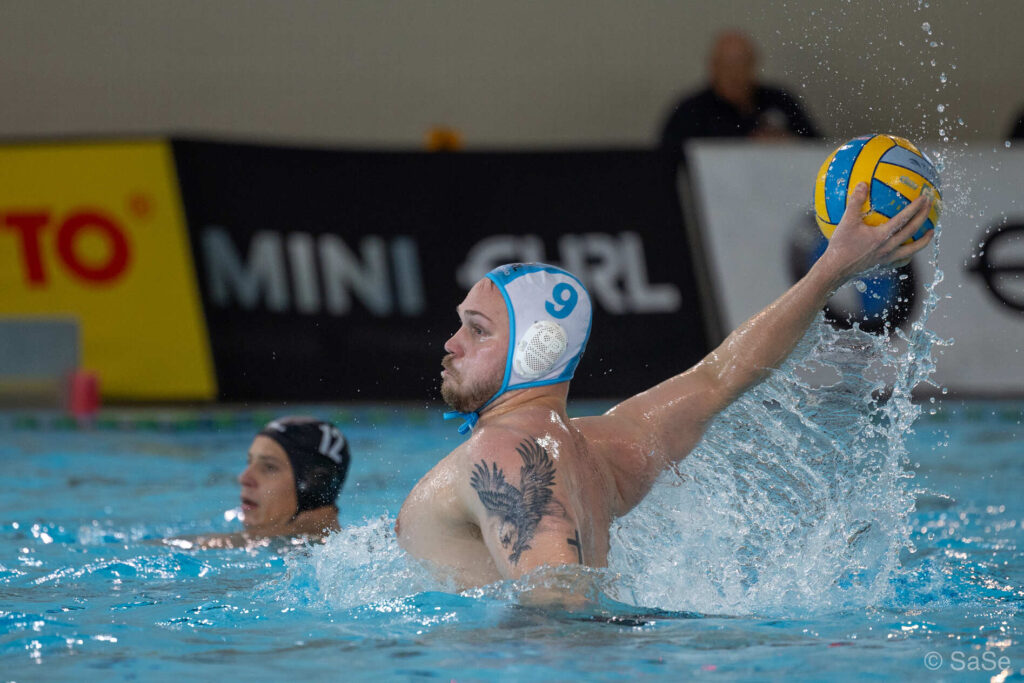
(96,231)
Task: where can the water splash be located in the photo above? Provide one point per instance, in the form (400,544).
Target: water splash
(358,565)
(798,497)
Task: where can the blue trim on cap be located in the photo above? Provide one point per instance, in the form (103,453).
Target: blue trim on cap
(498,277)
(501,277)
(570,368)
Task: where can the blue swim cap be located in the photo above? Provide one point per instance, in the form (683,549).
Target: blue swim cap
(549,318)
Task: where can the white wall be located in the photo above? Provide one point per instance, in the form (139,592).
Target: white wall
(563,72)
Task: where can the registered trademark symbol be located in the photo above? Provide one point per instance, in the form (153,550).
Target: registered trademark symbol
(140,205)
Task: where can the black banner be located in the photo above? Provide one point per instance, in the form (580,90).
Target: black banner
(334,275)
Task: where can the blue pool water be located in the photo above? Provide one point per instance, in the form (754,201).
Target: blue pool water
(723,575)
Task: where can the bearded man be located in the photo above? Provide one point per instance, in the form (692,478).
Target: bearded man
(531,487)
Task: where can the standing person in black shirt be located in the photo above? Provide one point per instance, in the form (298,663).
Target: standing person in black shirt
(734,104)
(1017,131)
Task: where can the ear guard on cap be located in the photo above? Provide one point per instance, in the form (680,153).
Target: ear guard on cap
(549,314)
(540,349)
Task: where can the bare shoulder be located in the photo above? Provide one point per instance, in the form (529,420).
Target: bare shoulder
(497,442)
(446,491)
(643,435)
(512,460)
(436,496)
(626,450)
(491,438)
(521,499)
(501,455)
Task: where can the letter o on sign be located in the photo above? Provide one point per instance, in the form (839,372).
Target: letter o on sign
(117,246)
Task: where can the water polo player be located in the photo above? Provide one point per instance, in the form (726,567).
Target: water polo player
(530,487)
(295,470)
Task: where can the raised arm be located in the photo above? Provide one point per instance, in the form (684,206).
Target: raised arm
(666,421)
(765,340)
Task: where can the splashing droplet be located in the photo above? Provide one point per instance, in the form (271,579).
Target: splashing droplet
(941,108)
(927,28)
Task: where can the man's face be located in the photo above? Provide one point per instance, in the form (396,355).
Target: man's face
(475,364)
(268,485)
(734,68)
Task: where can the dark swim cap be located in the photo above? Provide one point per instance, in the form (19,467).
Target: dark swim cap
(319,456)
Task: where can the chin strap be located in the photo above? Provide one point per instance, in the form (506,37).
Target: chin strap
(470,420)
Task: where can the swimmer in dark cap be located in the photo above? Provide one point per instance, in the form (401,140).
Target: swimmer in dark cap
(295,470)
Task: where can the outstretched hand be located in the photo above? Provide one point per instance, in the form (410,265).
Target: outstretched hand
(856,247)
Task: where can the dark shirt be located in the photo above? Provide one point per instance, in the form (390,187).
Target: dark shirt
(706,115)
(1018,130)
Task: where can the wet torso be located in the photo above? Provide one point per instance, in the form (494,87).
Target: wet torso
(436,522)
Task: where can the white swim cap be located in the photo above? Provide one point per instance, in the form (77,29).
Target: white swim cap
(549,318)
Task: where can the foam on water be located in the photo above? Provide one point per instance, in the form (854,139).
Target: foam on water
(356,566)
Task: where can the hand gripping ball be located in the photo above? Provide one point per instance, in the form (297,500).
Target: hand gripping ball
(896,173)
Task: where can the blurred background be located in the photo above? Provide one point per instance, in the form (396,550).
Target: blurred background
(569,72)
(265,201)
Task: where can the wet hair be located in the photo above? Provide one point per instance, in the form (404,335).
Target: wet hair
(319,456)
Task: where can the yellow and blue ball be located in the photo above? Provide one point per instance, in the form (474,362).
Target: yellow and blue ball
(896,172)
